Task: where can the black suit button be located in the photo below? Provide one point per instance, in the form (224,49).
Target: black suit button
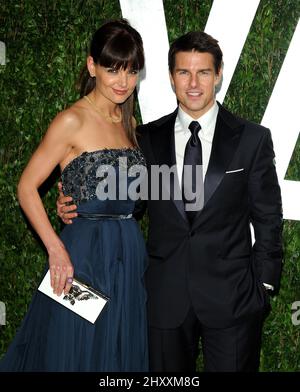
(192,233)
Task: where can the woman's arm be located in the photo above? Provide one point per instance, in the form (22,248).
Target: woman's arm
(55,146)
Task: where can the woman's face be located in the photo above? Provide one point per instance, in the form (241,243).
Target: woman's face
(115,85)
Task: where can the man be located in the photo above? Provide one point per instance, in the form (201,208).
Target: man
(205,279)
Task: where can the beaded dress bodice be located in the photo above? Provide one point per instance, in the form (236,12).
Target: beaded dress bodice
(81,177)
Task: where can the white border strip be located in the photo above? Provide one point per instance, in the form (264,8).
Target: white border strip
(2,53)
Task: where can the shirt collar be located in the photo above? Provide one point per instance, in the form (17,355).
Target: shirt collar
(207,121)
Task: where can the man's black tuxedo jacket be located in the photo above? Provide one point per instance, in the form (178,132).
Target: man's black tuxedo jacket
(211,264)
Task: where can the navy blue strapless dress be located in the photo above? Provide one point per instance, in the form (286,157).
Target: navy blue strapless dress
(108,254)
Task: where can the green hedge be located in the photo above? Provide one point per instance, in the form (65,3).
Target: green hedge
(46,48)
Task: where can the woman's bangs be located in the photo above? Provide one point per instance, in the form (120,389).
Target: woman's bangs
(119,54)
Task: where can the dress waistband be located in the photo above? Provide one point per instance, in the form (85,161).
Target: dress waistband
(96,216)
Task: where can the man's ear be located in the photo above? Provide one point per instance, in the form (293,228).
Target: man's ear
(219,76)
(172,81)
(91,66)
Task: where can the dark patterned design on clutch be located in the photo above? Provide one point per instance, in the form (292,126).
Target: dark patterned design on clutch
(81,299)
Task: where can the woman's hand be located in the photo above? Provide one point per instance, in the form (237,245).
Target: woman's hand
(61,270)
(65,211)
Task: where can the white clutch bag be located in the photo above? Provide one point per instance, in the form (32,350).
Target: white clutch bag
(81,299)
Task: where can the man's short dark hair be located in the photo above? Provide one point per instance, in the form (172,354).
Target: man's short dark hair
(197,41)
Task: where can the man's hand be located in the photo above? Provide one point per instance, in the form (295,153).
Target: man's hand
(65,212)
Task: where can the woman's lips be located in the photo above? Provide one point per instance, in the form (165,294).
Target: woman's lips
(120,92)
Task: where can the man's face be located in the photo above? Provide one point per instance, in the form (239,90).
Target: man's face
(194,80)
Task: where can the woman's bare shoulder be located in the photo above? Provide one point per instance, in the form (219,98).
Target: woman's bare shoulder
(70,118)
(67,122)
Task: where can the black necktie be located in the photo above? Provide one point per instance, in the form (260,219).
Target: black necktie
(192,158)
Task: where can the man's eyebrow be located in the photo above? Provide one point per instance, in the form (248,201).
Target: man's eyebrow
(199,70)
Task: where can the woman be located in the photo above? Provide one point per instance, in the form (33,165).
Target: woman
(104,247)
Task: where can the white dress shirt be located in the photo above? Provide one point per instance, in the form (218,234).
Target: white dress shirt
(206,134)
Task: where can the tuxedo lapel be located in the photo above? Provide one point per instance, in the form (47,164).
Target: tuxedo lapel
(163,147)
(226,138)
